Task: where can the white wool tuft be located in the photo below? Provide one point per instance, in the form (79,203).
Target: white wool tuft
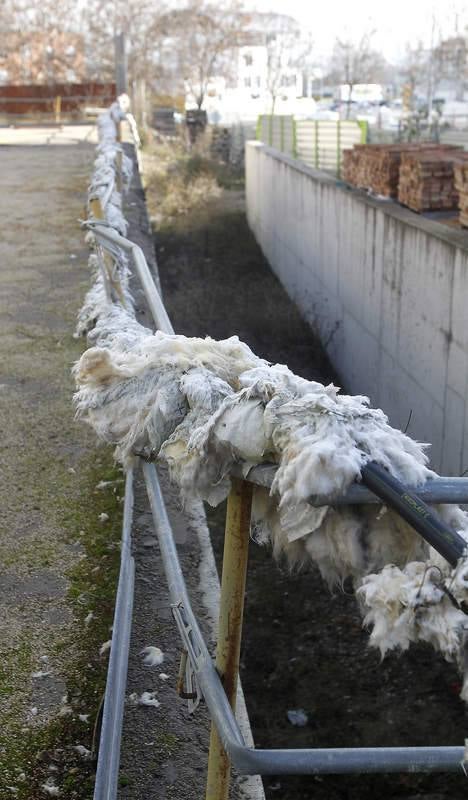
(412,604)
(203,406)
(82,751)
(50,788)
(105,647)
(153,656)
(148,699)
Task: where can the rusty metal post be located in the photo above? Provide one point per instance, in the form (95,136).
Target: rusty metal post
(231,610)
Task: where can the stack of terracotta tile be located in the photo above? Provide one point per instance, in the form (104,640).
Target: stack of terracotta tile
(427,180)
(461,186)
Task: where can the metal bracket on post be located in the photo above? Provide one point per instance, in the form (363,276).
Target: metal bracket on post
(231,612)
(188,687)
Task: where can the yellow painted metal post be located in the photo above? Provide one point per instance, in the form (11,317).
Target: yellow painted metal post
(58,107)
(96,208)
(110,282)
(98,213)
(231,611)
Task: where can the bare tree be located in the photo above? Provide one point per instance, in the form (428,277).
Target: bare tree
(41,42)
(139,20)
(287,50)
(355,62)
(287,53)
(206,37)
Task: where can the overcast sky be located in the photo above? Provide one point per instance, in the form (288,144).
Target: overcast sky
(396,21)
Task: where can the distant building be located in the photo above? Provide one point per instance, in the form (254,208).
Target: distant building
(273,70)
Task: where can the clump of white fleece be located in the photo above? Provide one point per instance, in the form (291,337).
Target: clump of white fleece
(204,405)
(419,603)
(96,301)
(153,656)
(114,285)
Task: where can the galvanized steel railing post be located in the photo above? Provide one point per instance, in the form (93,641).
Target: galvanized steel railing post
(231,612)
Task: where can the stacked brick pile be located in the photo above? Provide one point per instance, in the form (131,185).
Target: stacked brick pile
(383,164)
(427,180)
(377,166)
(461,186)
(384,167)
(350,166)
(374,167)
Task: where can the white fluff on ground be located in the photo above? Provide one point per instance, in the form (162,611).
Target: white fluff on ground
(153,656)
(148,699)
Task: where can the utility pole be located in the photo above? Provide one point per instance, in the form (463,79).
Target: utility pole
(121,79)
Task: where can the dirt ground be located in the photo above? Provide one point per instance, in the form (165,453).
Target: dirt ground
(58,560)
(303,648)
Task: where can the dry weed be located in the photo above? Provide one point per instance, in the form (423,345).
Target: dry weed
(177,181)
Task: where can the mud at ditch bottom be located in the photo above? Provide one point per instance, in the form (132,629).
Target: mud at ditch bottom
(304,648)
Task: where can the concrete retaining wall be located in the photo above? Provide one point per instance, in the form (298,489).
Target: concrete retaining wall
(386,289)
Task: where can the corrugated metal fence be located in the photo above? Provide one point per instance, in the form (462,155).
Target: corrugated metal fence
(318,143)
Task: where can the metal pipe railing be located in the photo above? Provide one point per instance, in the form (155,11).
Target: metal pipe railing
(107,771)
(289,761)
(413,510)
(436,490)
(204,668)
(248,760)
(106,234)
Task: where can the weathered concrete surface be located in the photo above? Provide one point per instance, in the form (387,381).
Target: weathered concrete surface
(385,288)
